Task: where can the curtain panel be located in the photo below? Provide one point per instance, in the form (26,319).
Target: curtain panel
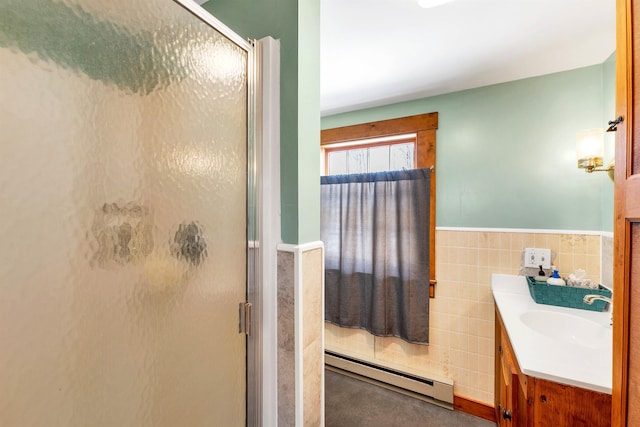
(375,228)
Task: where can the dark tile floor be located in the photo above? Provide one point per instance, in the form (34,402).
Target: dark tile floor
(353,403)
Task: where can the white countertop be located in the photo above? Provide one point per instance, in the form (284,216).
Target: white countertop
(542,356)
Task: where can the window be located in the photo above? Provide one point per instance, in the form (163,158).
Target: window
(371,155)
(362,148)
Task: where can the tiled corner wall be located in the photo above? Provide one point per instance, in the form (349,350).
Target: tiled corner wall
(300,337)
(286,339)
(462,314)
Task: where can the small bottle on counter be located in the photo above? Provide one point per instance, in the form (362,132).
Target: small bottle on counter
(555,279)
(541,277)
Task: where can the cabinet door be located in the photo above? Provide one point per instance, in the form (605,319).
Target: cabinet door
(504,376)
(561,405)
(507,381)
(507,387)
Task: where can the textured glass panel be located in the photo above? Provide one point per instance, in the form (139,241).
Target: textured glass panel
(337,162)
(357,161)
(123,200)
(402,156)
(379,159)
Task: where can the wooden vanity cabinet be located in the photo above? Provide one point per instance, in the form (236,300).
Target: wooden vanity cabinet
(524,401)
(510,383)
(505,409)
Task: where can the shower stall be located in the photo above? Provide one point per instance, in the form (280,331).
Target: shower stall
(127,173)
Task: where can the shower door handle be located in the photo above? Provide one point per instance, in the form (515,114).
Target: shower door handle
(244,318)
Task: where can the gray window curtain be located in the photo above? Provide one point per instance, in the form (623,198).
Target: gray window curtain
(375,228)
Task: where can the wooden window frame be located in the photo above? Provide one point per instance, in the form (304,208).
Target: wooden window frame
(424,126)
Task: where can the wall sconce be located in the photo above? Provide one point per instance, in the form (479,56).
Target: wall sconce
(432,3)
(590,151)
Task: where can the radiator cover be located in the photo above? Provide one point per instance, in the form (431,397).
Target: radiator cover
(438,392)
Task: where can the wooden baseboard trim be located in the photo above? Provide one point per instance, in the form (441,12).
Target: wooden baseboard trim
(472,407)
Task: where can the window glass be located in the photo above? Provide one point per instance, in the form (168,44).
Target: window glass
(337,162)
(358,161)
(379,159)
(370,158)
(401,157)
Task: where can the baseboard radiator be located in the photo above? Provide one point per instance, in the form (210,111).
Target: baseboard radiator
(437,392)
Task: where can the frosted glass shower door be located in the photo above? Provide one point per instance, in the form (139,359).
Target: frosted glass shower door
(123,187)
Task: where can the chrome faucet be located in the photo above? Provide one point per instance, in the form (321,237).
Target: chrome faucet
(589,299)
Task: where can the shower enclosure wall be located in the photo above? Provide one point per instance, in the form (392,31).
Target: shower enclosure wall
(126,162)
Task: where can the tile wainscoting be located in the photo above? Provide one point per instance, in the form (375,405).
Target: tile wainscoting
(300,338)
(462,313)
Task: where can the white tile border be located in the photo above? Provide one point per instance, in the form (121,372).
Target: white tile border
(526,230)
(299,249)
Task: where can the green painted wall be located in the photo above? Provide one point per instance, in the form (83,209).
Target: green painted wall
(506,152)
(308,122)
(609,111)
(296,23)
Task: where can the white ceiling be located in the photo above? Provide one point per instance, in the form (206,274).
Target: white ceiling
(376,52)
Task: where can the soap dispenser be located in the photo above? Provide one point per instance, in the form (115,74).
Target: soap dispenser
(555,279)
(541,277)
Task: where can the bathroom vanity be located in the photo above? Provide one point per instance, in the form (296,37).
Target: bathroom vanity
(552,364)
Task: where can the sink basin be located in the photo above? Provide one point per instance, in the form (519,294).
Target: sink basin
(568,328)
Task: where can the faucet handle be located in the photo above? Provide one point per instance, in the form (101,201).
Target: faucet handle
(590,298)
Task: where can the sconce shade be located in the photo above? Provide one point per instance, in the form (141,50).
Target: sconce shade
(590,148)
(432,3)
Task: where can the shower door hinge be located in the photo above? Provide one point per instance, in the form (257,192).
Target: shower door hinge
(244,323)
